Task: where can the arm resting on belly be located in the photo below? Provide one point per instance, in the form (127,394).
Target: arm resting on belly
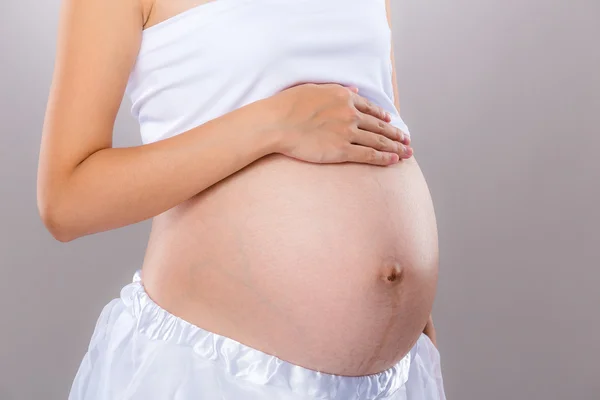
(84,184)
(114,187)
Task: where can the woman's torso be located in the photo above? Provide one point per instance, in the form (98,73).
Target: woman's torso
(332,267)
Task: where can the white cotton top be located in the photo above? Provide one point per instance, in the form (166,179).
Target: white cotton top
(224,54)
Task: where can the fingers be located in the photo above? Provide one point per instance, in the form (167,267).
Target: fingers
(365,106)
(376,119)
(368,155)
(372,124)
(381,143)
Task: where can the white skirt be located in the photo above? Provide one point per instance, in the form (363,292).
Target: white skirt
(139,351)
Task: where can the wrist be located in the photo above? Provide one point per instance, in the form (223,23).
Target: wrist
(267,116)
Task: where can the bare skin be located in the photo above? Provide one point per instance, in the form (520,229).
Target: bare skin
(86,186)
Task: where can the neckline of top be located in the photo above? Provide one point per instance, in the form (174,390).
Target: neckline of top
(204,7)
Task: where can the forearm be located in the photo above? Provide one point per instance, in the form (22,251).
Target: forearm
(115,187)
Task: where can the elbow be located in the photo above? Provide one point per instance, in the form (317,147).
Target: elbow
(55,222)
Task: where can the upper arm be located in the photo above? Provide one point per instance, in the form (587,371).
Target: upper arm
(97,44)
(394,80)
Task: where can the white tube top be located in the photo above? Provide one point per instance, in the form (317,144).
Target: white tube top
(221,55)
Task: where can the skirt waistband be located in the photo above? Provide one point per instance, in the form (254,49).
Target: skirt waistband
(244,362)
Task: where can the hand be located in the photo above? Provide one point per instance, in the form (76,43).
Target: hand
(330,123)
(430,330)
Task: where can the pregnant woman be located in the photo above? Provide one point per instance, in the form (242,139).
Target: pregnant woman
(293,251)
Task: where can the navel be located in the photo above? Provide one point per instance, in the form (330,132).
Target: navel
(392,270)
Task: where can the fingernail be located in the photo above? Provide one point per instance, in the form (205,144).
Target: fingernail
(409,151)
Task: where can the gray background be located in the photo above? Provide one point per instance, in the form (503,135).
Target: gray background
(503,99)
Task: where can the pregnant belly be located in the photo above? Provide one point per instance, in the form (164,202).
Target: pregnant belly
(331,267)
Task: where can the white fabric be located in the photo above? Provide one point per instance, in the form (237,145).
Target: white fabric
(224,54)
(139,351)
